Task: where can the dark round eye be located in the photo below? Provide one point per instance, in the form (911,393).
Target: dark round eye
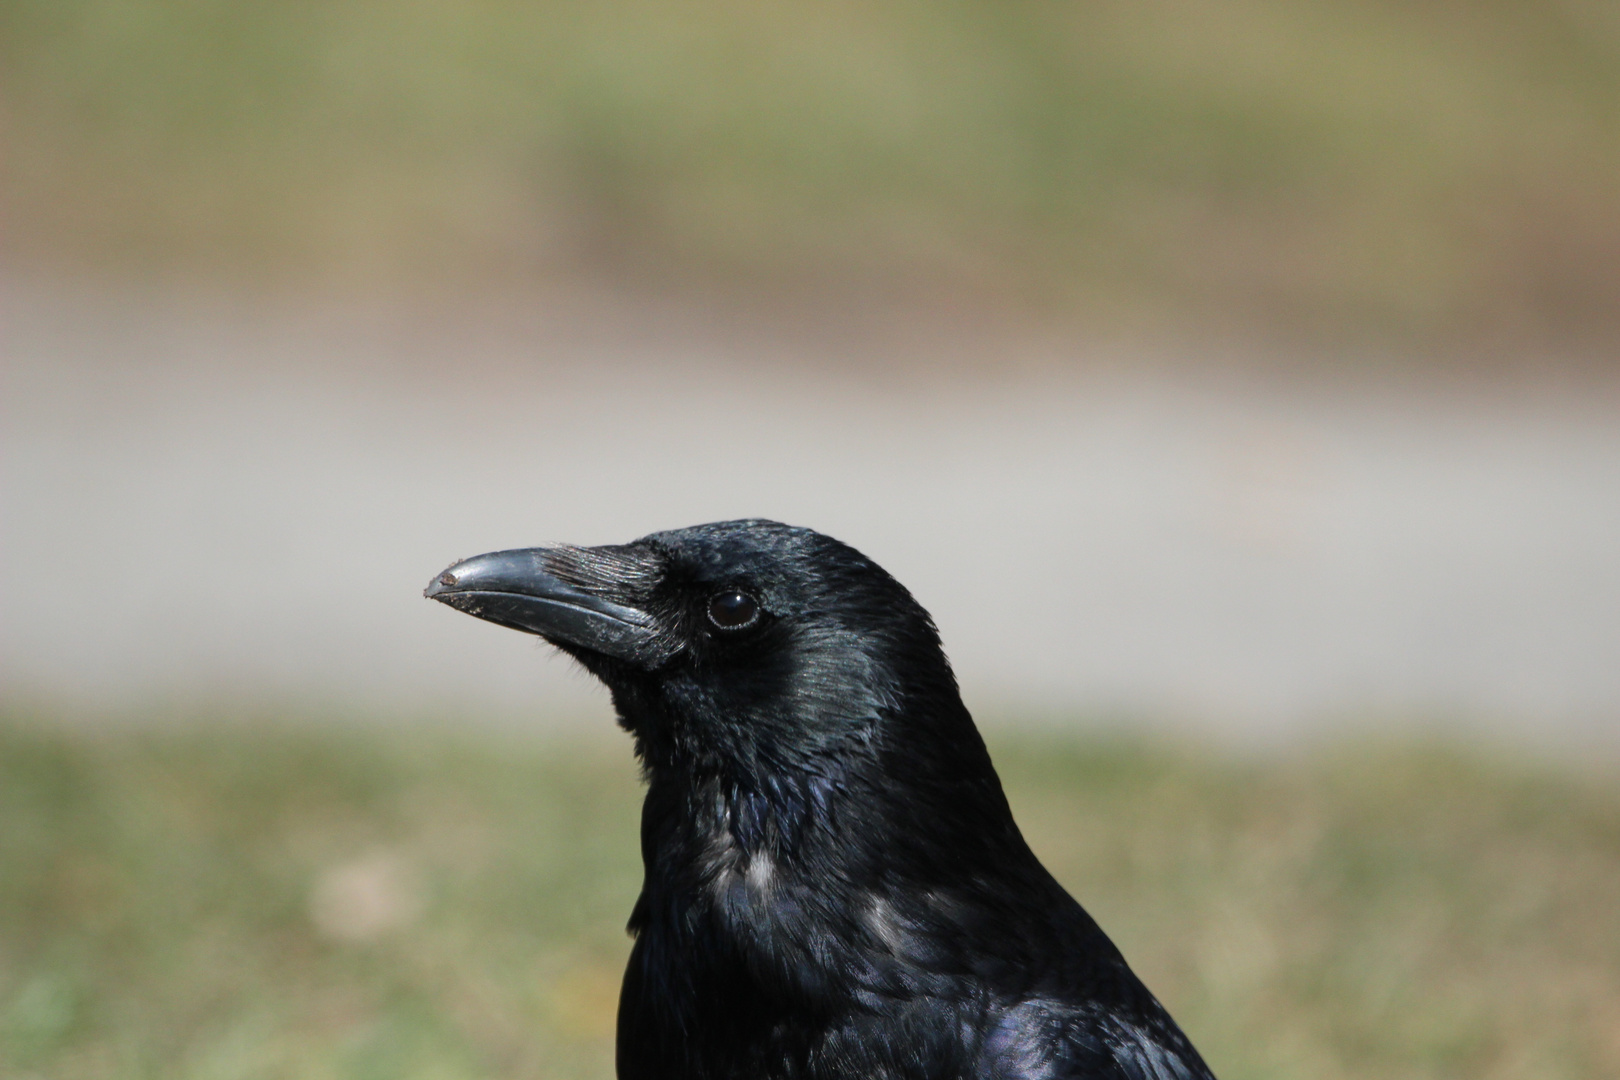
(733,610)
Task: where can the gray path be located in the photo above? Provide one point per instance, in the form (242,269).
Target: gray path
(206,502)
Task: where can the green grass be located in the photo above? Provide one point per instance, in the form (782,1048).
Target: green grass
(266,902)
(1418,167)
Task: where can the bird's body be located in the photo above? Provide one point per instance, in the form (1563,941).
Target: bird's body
(835,886)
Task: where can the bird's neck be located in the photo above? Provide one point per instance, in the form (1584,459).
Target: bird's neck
(708,821)
(831,819)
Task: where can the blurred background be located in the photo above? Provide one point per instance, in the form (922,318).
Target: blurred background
(1238,384)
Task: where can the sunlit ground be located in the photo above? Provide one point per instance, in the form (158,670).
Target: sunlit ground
(290,902)
(1443,171)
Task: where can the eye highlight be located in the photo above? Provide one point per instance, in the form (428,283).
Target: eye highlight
(733,609)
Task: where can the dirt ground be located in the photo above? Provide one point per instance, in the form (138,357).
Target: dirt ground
(206,500)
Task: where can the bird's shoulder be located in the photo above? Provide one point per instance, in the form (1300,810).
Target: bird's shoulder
(1042,1039)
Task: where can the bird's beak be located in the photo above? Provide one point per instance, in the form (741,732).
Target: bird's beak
(557,593)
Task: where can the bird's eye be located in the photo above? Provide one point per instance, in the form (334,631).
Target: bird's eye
(733,610)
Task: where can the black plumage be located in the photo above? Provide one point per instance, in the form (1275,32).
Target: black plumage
(835,887)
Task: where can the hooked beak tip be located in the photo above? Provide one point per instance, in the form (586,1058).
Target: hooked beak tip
(440,584)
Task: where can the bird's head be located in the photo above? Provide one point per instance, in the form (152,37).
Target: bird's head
(747,646)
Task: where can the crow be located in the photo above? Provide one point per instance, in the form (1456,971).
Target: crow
(834,885)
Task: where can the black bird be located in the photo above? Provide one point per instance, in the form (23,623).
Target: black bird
(835,888)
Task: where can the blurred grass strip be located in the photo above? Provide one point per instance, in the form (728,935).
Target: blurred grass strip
(1420,167)
(283,902)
